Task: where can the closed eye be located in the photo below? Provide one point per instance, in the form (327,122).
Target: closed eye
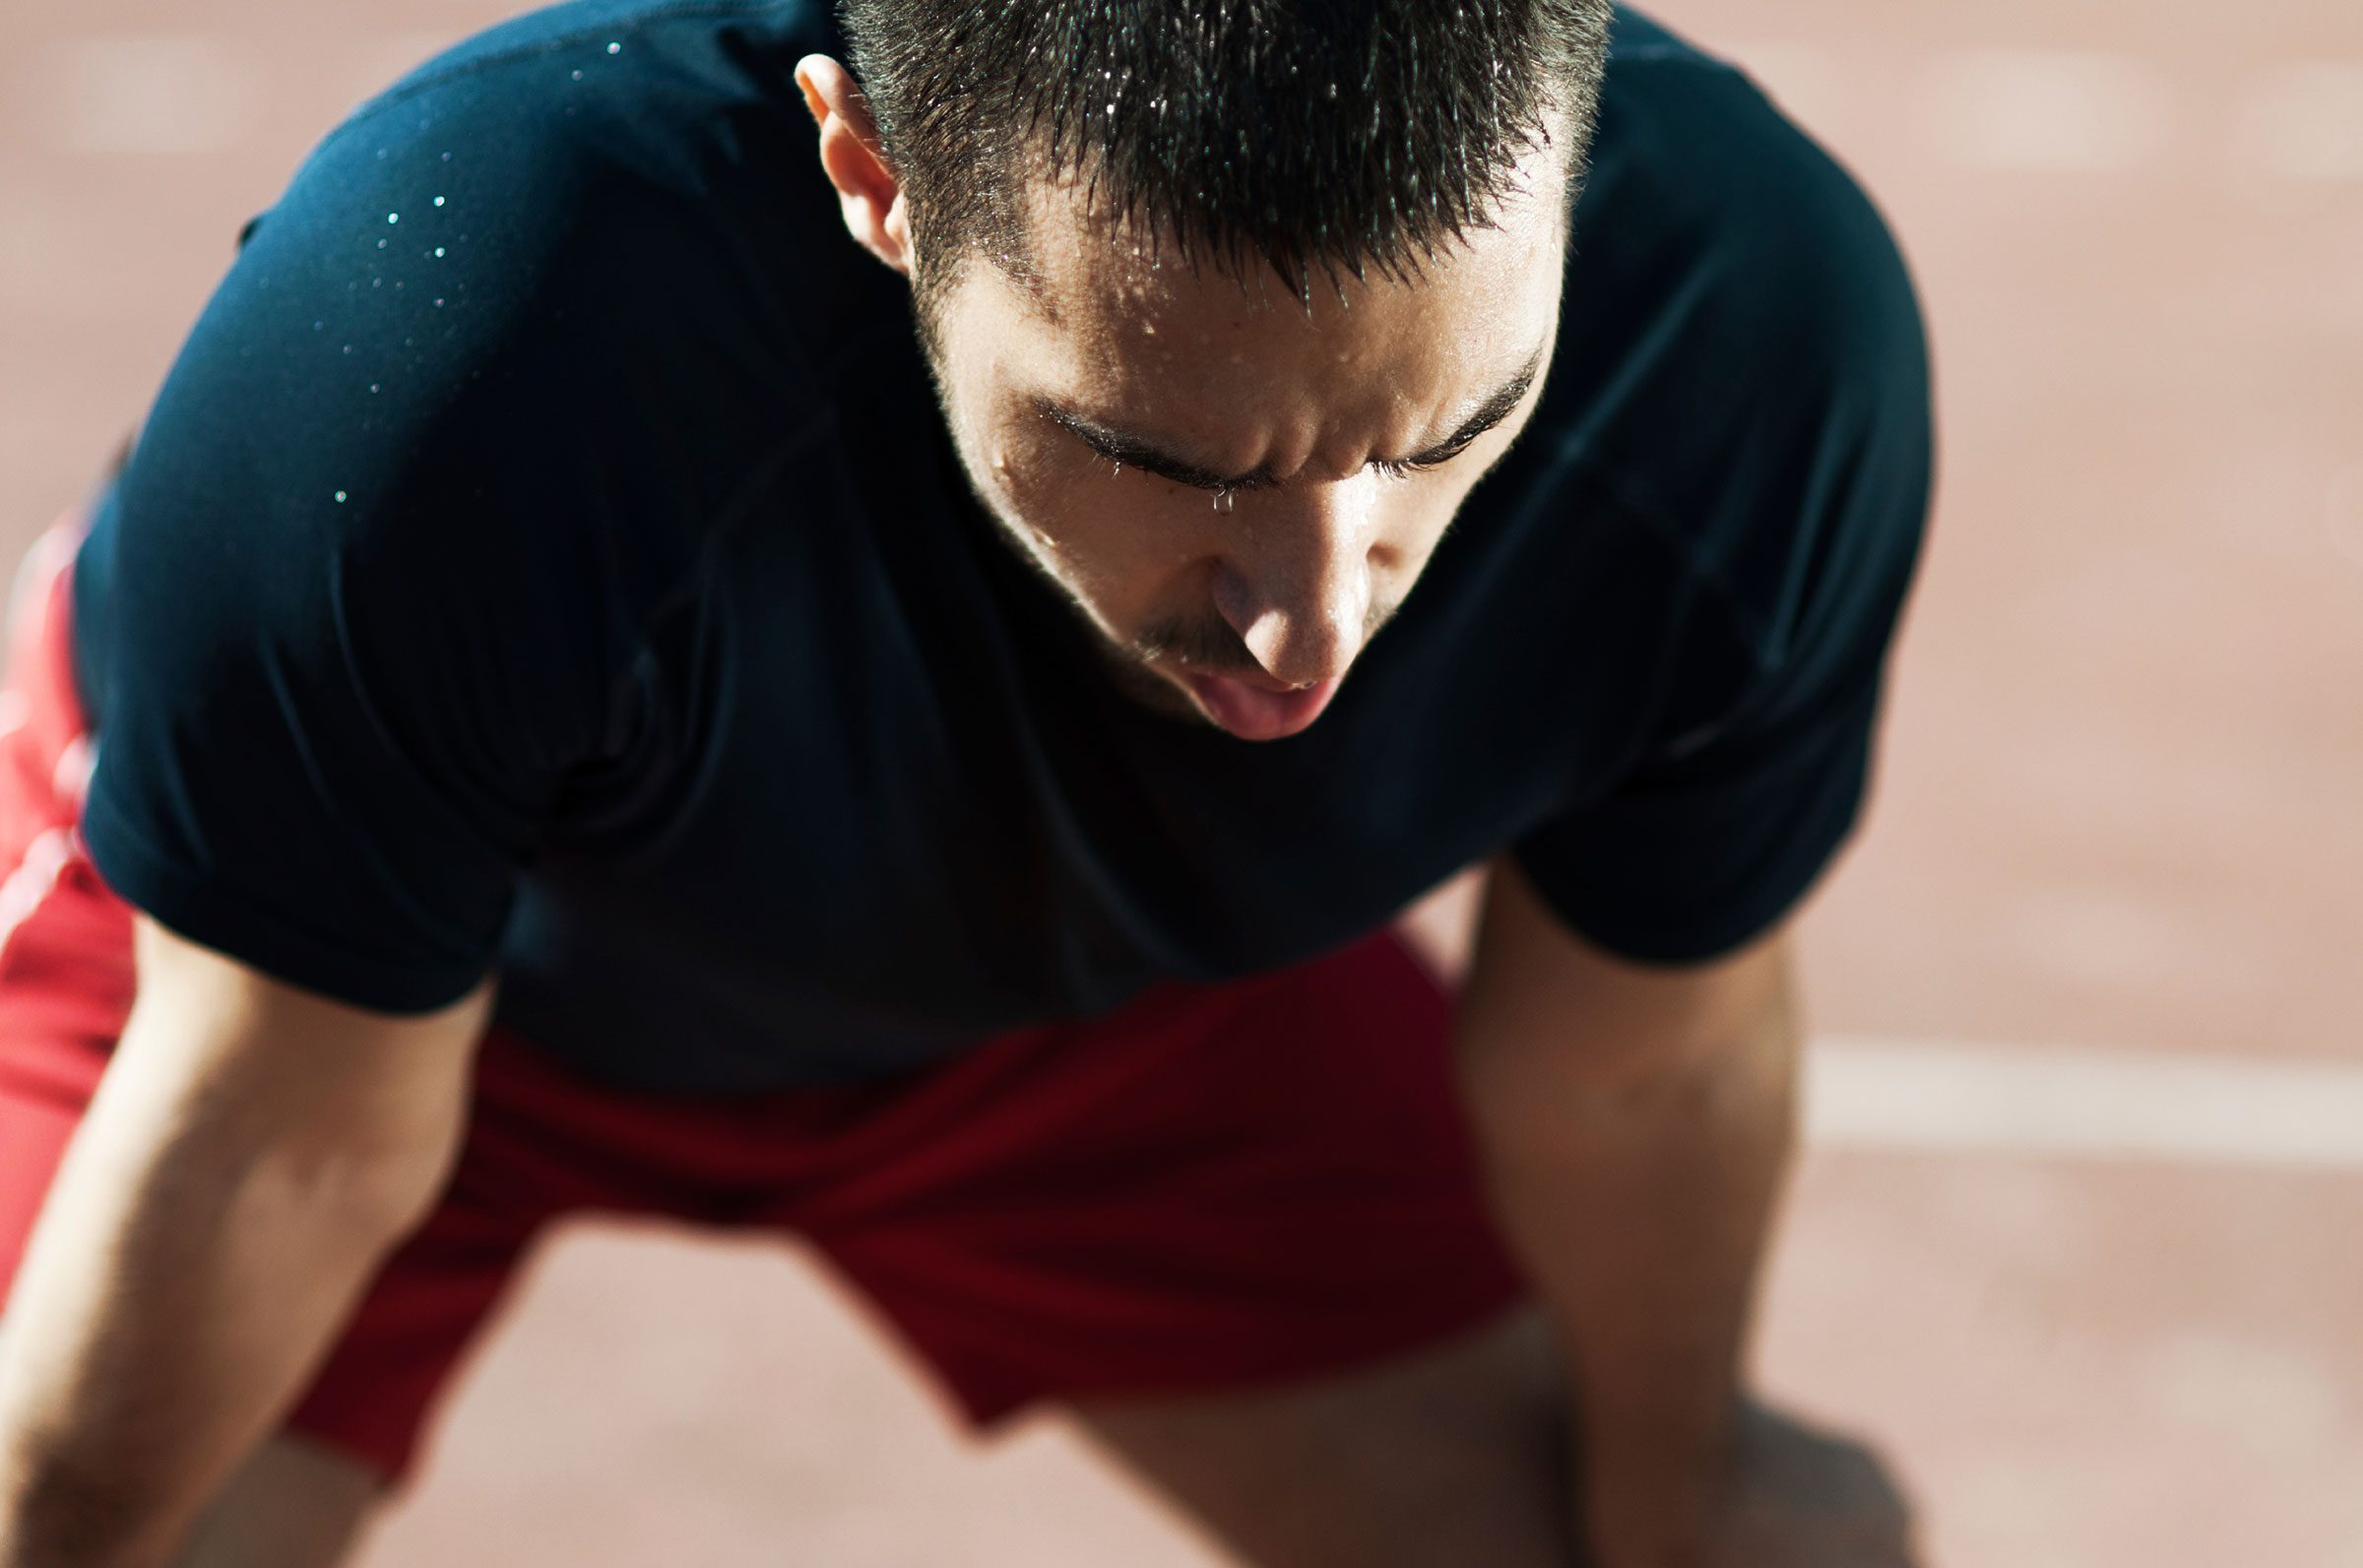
(1433,458)
(1126,451)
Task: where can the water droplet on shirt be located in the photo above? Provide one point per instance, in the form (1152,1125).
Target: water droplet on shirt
(381,244)
(317,325)
(373,385)
(438,201)
(348,348)
(438,304)
(614,48)
(340,498)
(393,218)
(438,253)
(447,157)
(578,75)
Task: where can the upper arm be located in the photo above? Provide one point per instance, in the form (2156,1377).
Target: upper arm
(1536,990)
(216,1051)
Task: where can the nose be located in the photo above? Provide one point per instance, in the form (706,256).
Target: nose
(1295,584)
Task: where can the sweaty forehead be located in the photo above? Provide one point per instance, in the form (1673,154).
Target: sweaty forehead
(1125,319)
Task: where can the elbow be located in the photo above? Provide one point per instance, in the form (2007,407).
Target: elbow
(367,1193)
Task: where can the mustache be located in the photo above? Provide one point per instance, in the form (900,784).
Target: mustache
(1202,642)
(1209,644)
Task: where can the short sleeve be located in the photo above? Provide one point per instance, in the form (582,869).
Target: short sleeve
(1692,860)
(1797,534)
(300,766)
(370,589)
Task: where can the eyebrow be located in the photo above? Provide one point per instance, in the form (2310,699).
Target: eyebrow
(1132,450)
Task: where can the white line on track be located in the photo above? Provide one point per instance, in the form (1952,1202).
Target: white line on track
(2304,121)
(1942,1096)
(2062,110)
(146,94)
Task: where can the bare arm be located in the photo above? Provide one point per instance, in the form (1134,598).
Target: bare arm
(252,1154)
(1635,1124)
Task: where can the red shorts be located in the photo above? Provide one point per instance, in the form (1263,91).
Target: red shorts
(1217,1187)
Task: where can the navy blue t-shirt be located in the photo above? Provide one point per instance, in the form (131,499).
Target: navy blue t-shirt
(546,555)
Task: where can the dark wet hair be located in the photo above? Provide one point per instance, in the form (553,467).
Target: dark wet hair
(1325,137)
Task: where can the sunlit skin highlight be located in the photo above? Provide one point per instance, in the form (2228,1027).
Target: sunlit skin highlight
(1235,487)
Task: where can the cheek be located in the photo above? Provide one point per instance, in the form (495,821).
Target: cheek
(1413,522)
(1428,515)
(1130,545)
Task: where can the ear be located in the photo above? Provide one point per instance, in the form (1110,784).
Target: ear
(868,189)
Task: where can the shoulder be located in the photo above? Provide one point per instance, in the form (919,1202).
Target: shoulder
(1739,405)
(1741,359)
(1744,245)
(521,334)
(552,293)
(601,169)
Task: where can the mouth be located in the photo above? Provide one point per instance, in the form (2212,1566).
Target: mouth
(1258,708)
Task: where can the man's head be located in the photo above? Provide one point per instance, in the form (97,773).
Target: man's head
(1228,302)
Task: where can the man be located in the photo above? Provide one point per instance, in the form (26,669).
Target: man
(575,705)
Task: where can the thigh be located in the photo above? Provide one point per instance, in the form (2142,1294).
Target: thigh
(1451,1456)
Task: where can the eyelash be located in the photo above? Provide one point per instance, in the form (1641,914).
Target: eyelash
(1404,468)
(1392,468)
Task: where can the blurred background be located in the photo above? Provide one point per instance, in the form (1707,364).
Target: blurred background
(2078,1237)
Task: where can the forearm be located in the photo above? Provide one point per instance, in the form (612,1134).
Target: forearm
(190,1266)
(1639,1190)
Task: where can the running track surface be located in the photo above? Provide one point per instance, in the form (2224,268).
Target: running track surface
(2077,1236)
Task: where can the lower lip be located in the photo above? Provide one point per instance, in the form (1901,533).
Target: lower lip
(1253,714)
